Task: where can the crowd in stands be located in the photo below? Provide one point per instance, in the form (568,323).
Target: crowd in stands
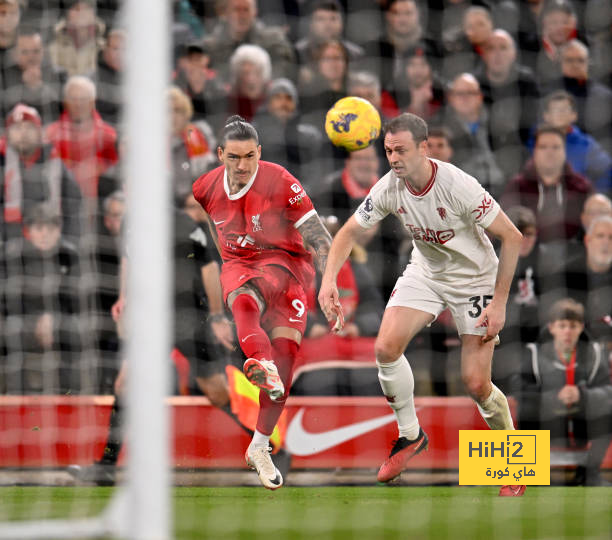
(517,93)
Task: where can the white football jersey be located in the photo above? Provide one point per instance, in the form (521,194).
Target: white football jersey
(446,221)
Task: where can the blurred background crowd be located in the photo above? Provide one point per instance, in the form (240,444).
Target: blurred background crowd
(517,93)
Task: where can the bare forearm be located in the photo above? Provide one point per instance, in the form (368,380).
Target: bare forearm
(316,235)
(508,258)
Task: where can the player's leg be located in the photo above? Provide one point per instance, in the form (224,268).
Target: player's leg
(476,359)
(398,328)
(247,305)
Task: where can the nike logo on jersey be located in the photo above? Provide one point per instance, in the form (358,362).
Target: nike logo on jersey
(291,319)
(301,442)
(247,337)
(218,222)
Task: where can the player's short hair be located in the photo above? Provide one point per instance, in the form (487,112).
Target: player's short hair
(237,129)
(547,128)
(559,95)
(408,122)
(566,309)
(522,217)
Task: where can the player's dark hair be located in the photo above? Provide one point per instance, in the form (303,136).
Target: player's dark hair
(522,217)
(237,129)
(408,122)
(547,128)
(566,309)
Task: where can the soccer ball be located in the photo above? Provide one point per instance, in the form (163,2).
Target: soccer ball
(353,123)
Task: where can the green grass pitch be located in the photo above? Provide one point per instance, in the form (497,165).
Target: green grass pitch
(375,512)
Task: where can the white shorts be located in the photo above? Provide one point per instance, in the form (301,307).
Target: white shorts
(465,299)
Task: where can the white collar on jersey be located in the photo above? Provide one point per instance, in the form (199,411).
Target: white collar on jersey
(243,191)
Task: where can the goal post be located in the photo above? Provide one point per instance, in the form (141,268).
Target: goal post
(141,509)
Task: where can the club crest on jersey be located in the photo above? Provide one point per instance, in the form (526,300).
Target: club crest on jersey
(256,223)
(441,212)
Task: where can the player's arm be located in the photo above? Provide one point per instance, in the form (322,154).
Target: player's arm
(495,313)
(219,323)
(316,235)
(341,248)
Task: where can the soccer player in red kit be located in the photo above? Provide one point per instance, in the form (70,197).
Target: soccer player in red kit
(263,221)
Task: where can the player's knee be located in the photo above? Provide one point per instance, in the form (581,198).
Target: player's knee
(386,352)
(477,386)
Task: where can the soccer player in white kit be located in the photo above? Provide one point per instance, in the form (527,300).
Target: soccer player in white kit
(453,265)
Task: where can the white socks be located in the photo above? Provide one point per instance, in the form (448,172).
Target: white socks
(397,383)
(495,410)
(260,440)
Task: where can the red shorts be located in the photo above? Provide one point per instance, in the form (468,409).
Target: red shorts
(286,300)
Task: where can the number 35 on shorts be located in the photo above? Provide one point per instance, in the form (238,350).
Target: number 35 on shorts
(478,304)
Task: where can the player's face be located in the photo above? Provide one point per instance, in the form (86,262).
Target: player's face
(404,155)
(240,159)
(565,333)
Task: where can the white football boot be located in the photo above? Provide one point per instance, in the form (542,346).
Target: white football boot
(258,458)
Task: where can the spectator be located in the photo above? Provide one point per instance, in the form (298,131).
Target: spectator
(10,15)
(78,39)
(550,188)
(584,153)
(285,138)
(404,35)
(439,144)
(324,82)
(32,173)
(593,99)
(467,119)
(325,22)
(511,96)
(85,143)
(523,308)
(32,80)
(192,143)
(418,89)
(565,388)
(42,302)
(109,77)
(201,84)
(107,258)
(595,205)
(239,26)
(250,73)
(558,25)
(589,280)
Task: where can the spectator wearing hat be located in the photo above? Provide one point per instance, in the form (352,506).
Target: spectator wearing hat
(78,39)
(195,77)
(285,137)
(42,308)
(31,173)
(85,143)
(33,80)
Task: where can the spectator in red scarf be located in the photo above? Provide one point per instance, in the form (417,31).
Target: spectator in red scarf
(31,173)
(193,145)
(85,143)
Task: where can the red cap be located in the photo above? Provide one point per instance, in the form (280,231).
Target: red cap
(23,113)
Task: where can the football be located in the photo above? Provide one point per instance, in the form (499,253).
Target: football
(352,123)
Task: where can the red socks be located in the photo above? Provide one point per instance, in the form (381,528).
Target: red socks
(253,341)
(284,353)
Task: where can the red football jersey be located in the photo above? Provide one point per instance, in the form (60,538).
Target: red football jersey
(258,225)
